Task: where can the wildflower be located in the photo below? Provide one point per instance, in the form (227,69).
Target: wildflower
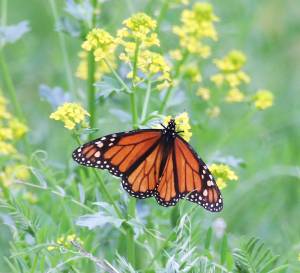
(235,95)
(204,93)
(230,70)
(4,114)
(223,174)
(213,112)
(197,25)
(139,28)
(14,172)
(192,72)
(18,128)
(100,42)
(182,124)
(100,69)
(263,99)
(7,148)
(65,241)
(71,114)
(153,64)
(5,134)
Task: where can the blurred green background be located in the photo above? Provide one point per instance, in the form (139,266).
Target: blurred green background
(265,201)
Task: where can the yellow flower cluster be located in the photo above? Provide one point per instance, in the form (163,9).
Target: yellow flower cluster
(71,114)
(138,29)
(223,174)
(137,37)
(64,241)
(197,25)
(231,73)
(192,72)
(263,99)
(100,70)
(100,42)
(182,125)
(14,172)
(204,93)
(11,129)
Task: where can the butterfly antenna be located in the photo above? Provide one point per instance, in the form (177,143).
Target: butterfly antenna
(163,126)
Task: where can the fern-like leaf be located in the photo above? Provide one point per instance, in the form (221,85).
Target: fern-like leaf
(255,257)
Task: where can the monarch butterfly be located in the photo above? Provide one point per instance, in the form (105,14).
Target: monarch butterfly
(154,162)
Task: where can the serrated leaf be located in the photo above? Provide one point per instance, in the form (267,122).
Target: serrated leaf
(12,33)
(107,86)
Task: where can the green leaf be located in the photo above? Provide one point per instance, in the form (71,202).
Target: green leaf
(255,257)
(107,86)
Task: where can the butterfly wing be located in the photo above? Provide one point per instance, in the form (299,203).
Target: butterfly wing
(134,156)
(194,180)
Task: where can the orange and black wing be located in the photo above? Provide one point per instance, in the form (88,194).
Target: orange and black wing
(193,179)
(134,156)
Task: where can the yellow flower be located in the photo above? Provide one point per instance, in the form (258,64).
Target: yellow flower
(235,95)
(6,134)
(182,124)
(197,25)
(139,28)
(18,128)
(65,241)
(217,79)
(263,99)
(193,73)
(299,257)
(100,42)
(14,172)
(223,174)
(230,70)
(232,62)
(4,114)
(213,112)
(176,54)
(100,69)
(7,148)
(204,93)
(71,114)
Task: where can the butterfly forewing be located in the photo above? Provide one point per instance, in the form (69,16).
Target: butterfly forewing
(134,156)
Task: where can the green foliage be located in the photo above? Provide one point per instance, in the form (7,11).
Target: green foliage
(255,257)
(59,217)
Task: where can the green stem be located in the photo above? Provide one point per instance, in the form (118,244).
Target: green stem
(91,89)
(133,104)
(146,101)
(175,76)
(62,41)
(118,78)
(10,86)
(163,10)
(158,252)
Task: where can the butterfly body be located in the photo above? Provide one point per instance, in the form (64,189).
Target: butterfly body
(154,162)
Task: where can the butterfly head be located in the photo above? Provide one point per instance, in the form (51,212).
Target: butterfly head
(170,130)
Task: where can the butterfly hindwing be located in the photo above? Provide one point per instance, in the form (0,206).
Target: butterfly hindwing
(195,182)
